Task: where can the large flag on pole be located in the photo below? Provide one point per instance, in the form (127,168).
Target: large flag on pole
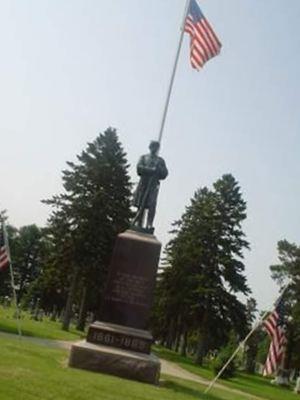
(275,327)
(204,42)
(274,324)
(4,255)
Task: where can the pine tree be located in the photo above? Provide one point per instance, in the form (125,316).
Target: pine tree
(198,290)
(27,249)
(94,208)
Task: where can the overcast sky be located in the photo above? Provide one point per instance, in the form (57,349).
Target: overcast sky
(71,68)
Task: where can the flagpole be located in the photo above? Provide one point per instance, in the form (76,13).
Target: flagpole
(12,279)
(242,344)
(173,74)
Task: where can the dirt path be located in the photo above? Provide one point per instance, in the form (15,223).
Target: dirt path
(173,369)
(167,367)
(55,344)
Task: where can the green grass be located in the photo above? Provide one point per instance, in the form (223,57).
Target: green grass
(252,384)
(33,372)
(257,385)
(46,329)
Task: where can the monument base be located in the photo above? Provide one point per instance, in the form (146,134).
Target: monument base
(109,360)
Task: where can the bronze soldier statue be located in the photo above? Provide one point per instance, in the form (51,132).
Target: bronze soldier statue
(152,169)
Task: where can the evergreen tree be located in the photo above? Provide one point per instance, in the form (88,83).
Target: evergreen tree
(197,291)
(49,290)
(27,249)
(86,218)
(252,346)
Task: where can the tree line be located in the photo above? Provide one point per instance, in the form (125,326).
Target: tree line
(203,303)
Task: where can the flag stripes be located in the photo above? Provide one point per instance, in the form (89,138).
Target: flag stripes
(204,42)
(274,325)
(4,258)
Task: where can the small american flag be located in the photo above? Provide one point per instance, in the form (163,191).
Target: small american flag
(275,327)
(4,257)
(204,42)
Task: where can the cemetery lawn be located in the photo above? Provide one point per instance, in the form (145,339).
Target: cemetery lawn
(30,371)
(33,372)
(252,384)
(46,329)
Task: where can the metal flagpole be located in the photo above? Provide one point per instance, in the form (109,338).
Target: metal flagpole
(12,279)
(242,344)
(169,92)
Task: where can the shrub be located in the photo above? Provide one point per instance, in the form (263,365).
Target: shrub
(218,363)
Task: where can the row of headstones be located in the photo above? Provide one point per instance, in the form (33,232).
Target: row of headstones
(37,314)
(284,377)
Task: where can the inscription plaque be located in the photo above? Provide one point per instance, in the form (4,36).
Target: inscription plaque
(130,288)
(131,281)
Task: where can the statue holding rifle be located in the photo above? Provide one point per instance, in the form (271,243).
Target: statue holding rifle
(152,169)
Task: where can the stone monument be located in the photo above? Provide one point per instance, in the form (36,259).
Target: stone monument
(120,344)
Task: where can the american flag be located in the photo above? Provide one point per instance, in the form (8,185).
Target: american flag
(204,42)
(275,327)
(4,257)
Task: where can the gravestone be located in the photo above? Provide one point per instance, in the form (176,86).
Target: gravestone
(282,378)
(297,387)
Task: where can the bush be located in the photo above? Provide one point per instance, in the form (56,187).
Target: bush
(218,363)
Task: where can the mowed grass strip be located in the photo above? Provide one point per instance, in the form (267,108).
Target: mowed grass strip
(46,329)
(31,372)
(252,384)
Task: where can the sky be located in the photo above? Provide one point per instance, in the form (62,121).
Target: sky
(71,68)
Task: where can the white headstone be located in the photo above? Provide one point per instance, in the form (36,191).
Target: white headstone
(297,388)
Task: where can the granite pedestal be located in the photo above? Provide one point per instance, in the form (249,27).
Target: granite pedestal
(121,344)
(122,363)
